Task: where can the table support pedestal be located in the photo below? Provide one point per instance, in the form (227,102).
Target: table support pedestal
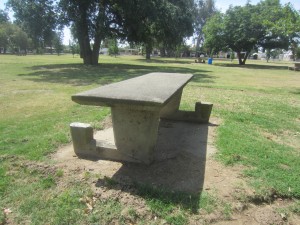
(135,132)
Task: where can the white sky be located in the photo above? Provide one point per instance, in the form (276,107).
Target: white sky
(220,4)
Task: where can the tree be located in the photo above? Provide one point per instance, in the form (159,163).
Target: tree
(242,30)
(214,32)
(12,36)
(298,52)
(238,29)
(157,22)
(92,22)
(281,26)
(57,42)
(19,40)
(271,12)
(141,21)
(289,25)
(37,18)
(5,32)
(3,16)
(113,47)
(74,48)
(267,24)
(203,11)
(177,26)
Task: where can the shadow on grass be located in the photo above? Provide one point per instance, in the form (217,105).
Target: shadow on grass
(252,66)
(105,73)
(167,60)
(174,182)
(296,91)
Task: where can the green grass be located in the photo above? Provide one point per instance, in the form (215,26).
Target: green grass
(296,208)
(258,104)
(4,181)
(174,207)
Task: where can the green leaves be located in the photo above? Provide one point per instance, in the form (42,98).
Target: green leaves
(268,25)
(37,18)
(158,22)
(3,16)
(12,36)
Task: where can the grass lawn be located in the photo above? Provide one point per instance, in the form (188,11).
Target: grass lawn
(258,104)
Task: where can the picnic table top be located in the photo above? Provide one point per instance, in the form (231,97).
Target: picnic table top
(153,89)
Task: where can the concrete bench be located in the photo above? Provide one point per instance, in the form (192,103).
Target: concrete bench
(136,107)
(296,66)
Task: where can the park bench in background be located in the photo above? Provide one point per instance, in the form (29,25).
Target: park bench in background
(137,105)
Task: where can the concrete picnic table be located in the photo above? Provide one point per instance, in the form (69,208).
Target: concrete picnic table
(295,67)
(137,105)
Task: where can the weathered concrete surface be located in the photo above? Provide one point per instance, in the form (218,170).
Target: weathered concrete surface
(135,132)
(85,146)
(153,89)
(172,106)
(174,137)
(136,105)
(83,140)
(200,115)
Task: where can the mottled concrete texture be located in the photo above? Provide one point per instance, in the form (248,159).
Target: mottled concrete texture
(136,105)
(83,138)
(135,132)
(153,89)
(200,115)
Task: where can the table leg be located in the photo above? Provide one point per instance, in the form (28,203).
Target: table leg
(135,132)
(172,106)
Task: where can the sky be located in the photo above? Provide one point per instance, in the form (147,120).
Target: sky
(220,4)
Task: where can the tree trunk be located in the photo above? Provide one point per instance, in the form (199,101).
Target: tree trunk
(239,56)
(89,56)
(162,52)
(198,44)
(268,55)
(246,57)
(96,49)
(148,51)
(242,58)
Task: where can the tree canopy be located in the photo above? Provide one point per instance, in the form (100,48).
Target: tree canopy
(204,9)
(92,22)
(157,22)
(139,22)
(237,29)
(3,16)
(37,18)
(13,37)
(243,28)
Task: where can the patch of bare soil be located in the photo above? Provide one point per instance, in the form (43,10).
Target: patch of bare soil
(285,138)
(193,170)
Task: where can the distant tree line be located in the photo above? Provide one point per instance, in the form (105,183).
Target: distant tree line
(242,29)
(149,24)
(11,36)
(15,39)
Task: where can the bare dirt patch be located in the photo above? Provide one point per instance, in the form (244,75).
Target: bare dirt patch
(193,170)
(285,137)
